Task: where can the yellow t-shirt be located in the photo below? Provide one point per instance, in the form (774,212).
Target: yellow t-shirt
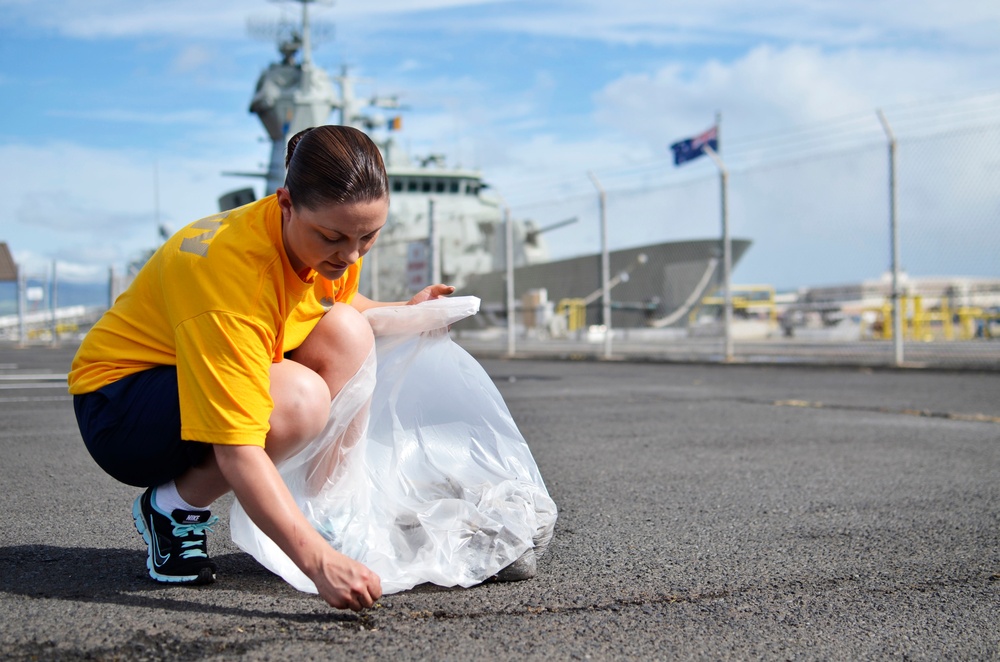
(220,301)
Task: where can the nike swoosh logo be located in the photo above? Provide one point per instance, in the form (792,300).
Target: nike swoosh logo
(158,558)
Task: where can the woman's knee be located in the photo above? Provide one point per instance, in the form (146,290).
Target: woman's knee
(301,408)
(345,328)
(338,346)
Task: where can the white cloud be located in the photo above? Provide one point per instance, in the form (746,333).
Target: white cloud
(190,117)
(720,22)
(92,207)
(192,58)
(770,67)
(408,65)
(186,19)
(814,220)
(769,90)
(974,23)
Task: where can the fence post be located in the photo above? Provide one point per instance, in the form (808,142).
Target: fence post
(897,312)
(602,201)
(22,330)
(509,249)
(434,243)
(54,304)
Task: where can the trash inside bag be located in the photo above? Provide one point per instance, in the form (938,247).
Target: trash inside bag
(421,473)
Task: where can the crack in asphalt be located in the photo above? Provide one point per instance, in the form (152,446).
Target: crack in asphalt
(925,413)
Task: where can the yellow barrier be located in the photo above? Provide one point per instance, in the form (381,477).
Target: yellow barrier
(45,332)
(967,317)
(752,300)
(923,325)
(575,311)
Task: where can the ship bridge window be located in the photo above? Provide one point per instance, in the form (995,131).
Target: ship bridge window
(415,185)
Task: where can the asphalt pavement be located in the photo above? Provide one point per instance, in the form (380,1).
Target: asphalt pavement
(706,512)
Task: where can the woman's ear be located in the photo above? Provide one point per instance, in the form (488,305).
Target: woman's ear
(284,199)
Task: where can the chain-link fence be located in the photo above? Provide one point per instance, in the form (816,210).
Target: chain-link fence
(814,277)
(38,307)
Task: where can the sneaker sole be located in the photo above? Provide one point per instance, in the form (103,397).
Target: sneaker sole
(204,576)
(523,568)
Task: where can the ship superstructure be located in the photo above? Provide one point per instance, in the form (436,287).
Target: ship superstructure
(443,225)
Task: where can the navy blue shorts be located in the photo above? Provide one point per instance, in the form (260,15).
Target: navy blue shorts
(132,428)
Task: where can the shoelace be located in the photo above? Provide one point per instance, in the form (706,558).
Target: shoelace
(194,548)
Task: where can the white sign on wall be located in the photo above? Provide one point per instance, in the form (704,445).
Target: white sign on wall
(417,265)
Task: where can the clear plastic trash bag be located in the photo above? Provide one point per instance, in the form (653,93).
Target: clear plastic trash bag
(421,473)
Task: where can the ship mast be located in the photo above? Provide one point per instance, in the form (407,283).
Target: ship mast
(306,42)
(292,96)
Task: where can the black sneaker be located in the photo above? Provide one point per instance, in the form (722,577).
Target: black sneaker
(178,551)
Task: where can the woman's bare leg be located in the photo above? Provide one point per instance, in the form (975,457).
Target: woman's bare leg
(302,389)
(337,351)
(337,347)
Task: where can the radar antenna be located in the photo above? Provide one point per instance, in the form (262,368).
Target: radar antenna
(293,35)
(291,96)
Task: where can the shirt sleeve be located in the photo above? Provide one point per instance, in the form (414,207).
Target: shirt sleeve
(224,379)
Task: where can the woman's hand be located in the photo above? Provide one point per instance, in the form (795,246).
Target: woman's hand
(341,581)
(431,292)
(362,303)
(344,583)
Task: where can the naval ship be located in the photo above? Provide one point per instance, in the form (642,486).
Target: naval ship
(445,223)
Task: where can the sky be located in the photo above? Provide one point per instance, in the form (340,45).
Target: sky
(123,116)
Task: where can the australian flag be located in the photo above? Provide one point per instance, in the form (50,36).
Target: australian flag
(692,148)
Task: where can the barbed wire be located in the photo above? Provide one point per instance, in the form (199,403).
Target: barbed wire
(910,120)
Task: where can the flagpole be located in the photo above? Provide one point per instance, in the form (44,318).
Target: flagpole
(691,148)
(727,245)
(727,254)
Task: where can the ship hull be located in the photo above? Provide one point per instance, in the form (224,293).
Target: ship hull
(652,285)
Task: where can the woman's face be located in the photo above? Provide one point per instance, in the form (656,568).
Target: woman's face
(331,238)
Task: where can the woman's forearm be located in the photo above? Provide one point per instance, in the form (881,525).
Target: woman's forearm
(263,494)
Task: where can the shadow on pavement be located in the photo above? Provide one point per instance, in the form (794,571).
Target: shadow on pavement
(118,576)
